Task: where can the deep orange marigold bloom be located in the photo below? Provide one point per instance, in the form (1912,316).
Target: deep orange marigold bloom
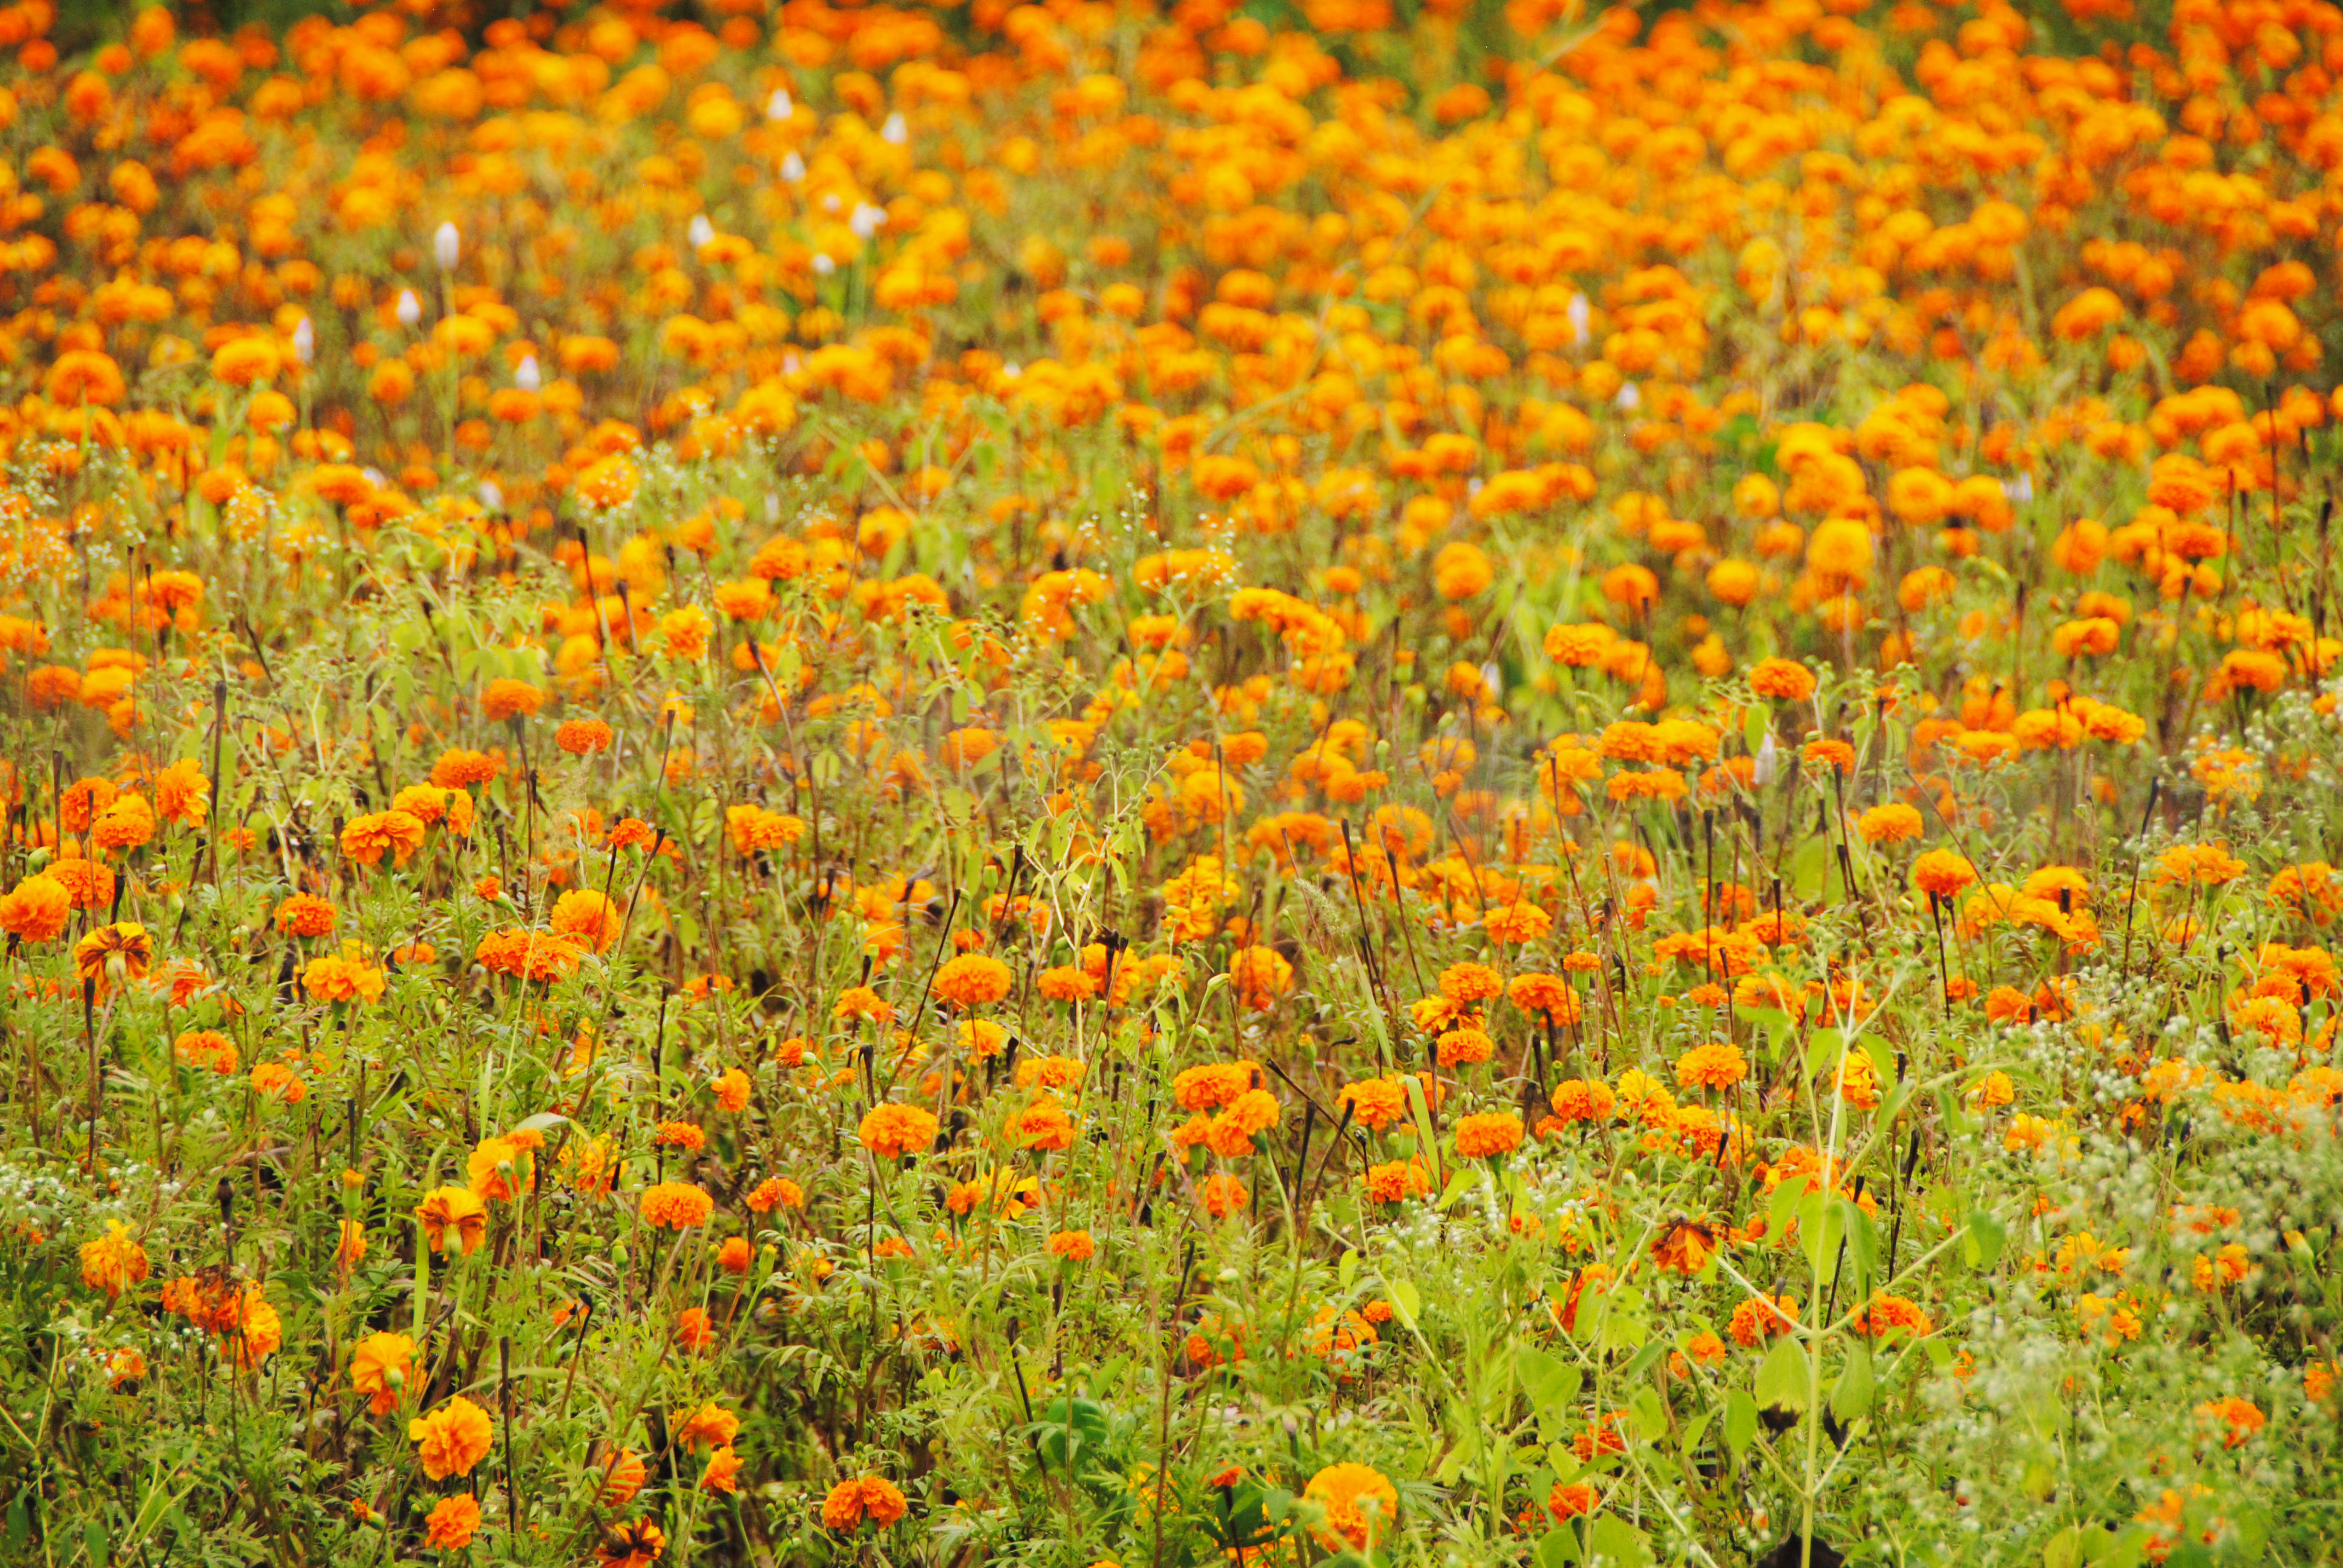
(1488,1135)
(583,737)
(368,839)
(1716,1065)
(307,915)
(892,1131)
(382,1367)
(850,1503)
(116,952)
(676,1206)
(723,1465)
(1785,678)
(1943,873)
(1467,983)
(972,980)
(114,1262)
(452,1439)
(504,698)
(453,1214)
(1360,1506)
(453,1521)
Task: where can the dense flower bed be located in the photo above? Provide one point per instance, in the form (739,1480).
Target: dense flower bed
(1096,785)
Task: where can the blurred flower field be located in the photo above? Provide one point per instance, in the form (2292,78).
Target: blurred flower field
(1379,782)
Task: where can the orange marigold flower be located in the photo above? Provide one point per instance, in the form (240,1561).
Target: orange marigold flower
(1375,1102)
(118,952)
(1942,873)
(850,1503)
(1785,678)
(504,698)
(1488,1134)
(676,1206)
(382,1367)
(453,1214)
(892,1131)
(307,915)
(453,1521)
(583,737)
(972,980)
(2239,1418)
(1360,1503)
(114,1262)
(1717,1065)
(1467,983)
(452,1439)
(368,839)
(36,909)
(1761,1318)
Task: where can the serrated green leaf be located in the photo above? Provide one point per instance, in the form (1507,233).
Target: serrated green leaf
(1822,1050)
(1550,1382)
(1982,1243)
(1850,1395)
(1405,1302)
(1614,1540)
(1740,1420)
(1782,1376)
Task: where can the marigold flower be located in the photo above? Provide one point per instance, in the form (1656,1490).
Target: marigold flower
(114,1262)
(1942,873)
(1375,1102)
(635,1543)
(676,1206)
(1360,1505)
(453,1521)
(368,839)
(382,1367)
(453,1215)
(452,1439)
(1488,1135)
(1717,1065)
(972,980)
(892,1131)
(850,1503)
(36,910)
(1783,678)
(113,954)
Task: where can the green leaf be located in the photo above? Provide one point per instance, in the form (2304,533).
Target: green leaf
(1782,1376)
(2064,1549)
(1557,1546)
(1882,1058)
(1550,1382)
(1404,1300)
(1423,1111)
(1862,1239)
(1850,1395)
(1348,1269)
(1982,1245)
(1740,1420)
(1753,727)
(1459,1183)
(1616,1541)
(1650,1415)
(1783,1207)
(1822,1049)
